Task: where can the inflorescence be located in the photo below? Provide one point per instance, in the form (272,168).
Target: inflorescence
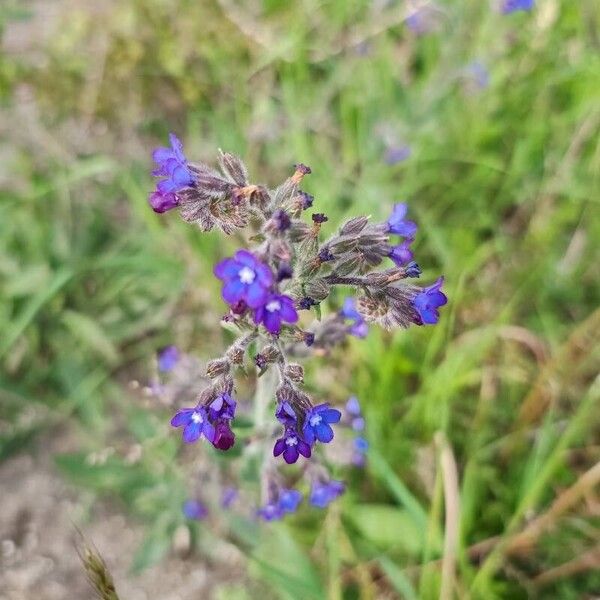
(287,270)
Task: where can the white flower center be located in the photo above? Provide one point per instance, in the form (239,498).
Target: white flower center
(273,306)
(197,417)
(291,441)
(246,275)
(315,420)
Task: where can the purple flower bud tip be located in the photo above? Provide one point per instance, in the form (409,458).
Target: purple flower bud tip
(285,414)
(412,269)
(309,338)
(168,357)
(224,437)
(317,423)
(306,200)
(427,302)
(276,310)
(325,255)
(319,218)
(222,407)
(306,303)
(284,272)
(302,169)
(281,220)
(194,509)
(161,203)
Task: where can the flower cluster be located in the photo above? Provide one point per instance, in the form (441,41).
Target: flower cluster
(285,272)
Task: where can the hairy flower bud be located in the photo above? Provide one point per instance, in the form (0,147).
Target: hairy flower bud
(354,226)
(294,372)
(318,289)
(217,367)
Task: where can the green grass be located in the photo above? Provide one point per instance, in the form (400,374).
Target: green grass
(504,184)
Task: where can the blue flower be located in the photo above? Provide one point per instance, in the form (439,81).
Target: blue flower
(194,509)
(398,224)
(317,423)
(289,500)
(401,254)
(359,328)
(291,445)
(173,165)
(270,512)
(396,154)
(167,359)
(245,278)
(360,449)
(285,414)
(277,309)
(195,423)
(353,408)
(322,493)
(510,6)
(228,497)
(427,302)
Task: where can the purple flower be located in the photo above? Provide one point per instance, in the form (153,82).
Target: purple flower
(306,200)
(222,407)
(277,309)
(396,154)
(195,423)
(427,303)
(172,164)
(291,445)
(510,6)
(401,254)
(285,414)
(353,408)
(289,500)
(168,357)
(361,445)
(270,512)
(161,203)
(194,509)
(245,278)
(399,225)
(359,328)
(317,423)
(224,438)
(322,493)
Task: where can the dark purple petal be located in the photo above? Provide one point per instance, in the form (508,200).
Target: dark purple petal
(272,322)
(290,454)
(304,449)
(161,203)
(279,447)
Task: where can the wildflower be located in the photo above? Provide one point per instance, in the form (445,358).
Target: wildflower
(412,269)
(323,493)
(319,218)
(306,200)
(224,438)
(194,509)
(359,328)
(428,301)
(401,254)
(317,423)
(510,6)
(245,278)
(228,496)
(168,357)
(289,500)
(195,423)
(291,445)
(360,446)
(172,164)
(398,224)
(277,308)
(161,203)
(396,154)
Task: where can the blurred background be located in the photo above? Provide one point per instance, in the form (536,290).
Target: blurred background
(484,430)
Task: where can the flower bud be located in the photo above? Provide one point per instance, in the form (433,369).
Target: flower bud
(318,289)
(217,367)
(295,373)
(354,226)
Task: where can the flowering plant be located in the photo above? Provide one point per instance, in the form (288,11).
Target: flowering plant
(285,270)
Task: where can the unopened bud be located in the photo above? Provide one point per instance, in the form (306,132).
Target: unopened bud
(317,289)
(354,226)
(217,367)
(295,372)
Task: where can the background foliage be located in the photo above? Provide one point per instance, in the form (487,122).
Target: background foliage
(503,178)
